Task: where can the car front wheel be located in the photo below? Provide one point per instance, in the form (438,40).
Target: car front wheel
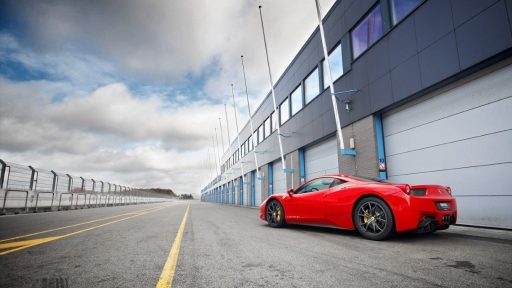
(373,219)
(275,214)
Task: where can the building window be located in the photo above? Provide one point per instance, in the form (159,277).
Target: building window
(367,32)
(250,143)
(401,8)
(296,99)
(258,136)
(312,86)
(284,111)
(261,133)
(274,121)
(267,127)
(336,62)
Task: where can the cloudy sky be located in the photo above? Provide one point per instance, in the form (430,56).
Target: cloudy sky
(131,91)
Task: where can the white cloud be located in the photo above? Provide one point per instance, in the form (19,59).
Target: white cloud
(110,134)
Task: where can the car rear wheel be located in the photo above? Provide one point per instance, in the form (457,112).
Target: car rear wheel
(275,214)
(373,219)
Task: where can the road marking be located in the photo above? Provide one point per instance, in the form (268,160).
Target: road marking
(167,275)
(28,244)
(75,225)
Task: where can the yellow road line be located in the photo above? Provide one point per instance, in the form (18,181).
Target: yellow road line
(75,225)
(26,242)
(49,239)
(167,275)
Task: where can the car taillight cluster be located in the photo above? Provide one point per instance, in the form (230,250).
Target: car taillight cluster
(405,188)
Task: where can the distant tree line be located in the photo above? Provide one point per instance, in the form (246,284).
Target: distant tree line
(162,191)
(186,196)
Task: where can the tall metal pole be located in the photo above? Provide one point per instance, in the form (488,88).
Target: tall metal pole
(250,120)
(227,127)
(331,85)
(237,131)
(218,149)
(214,149)
(273,93)
(227,124)
(221,135)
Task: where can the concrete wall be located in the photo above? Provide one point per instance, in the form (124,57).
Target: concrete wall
(366,161)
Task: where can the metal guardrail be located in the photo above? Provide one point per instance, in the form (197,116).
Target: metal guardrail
(50,189)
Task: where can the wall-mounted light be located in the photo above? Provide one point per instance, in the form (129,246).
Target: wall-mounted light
(348,104)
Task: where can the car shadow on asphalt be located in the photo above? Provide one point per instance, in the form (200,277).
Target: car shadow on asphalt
(405,237)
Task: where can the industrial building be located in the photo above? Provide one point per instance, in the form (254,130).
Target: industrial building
(431,103)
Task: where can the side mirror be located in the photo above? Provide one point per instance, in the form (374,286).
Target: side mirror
(290,192)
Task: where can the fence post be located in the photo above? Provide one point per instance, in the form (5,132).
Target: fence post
(32,177)
(55,181)
(2,174)
(70,182)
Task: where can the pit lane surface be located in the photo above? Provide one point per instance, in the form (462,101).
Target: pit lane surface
(224,246)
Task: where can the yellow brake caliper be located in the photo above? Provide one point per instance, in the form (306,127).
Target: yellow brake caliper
(365,218)
(278,215)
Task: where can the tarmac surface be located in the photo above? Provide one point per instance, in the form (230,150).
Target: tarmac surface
(226,246)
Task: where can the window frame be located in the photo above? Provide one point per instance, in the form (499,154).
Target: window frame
(392,14)
(281,123)
(325,79)
(298,89)
(268,127)
(274,121)
(317,69)
(360,21)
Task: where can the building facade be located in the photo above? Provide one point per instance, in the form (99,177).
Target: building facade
(431,103)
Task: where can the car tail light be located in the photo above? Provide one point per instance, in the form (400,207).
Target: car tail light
(405,188)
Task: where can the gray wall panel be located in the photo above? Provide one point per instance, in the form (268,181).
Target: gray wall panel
(439,61)
(360,103)
(483,36)
(359,72)
(381,93)
(402,42)
(377,60)
(463,10)
(406,79)
(433,20)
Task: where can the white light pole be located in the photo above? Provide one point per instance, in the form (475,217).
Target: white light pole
(229,137)
(237,132)
(215,156)
(331,84)
(218,150)
(221,135)
(250,121)
(273,93)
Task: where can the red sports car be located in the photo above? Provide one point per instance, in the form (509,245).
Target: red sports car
(375,209)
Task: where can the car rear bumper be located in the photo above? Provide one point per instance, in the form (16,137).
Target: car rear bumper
(424,213)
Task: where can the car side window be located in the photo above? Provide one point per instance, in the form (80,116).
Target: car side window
(337,182)
(316,185)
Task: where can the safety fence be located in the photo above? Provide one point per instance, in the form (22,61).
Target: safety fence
(25,188)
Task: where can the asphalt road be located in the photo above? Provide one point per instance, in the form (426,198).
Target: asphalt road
(225,246)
